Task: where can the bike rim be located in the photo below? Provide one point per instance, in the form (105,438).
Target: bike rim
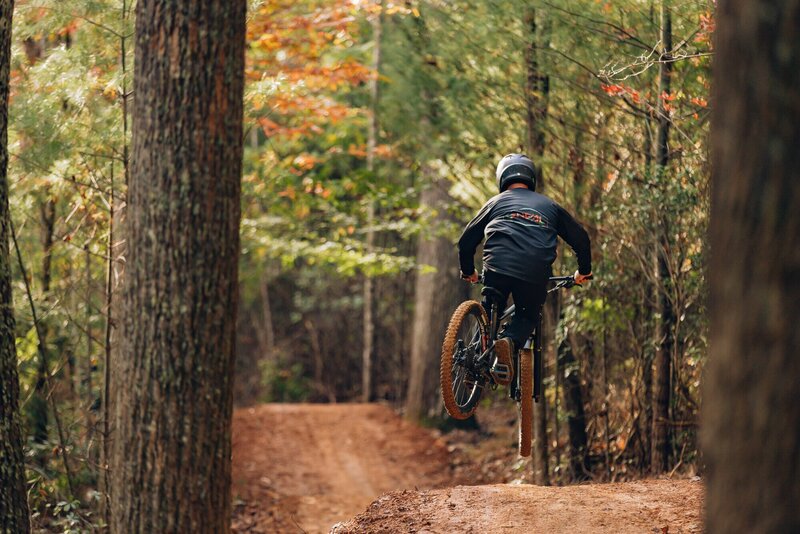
(469,346)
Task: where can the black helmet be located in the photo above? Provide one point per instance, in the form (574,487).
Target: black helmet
(516,168)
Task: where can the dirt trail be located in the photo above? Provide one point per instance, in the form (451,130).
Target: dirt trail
(304,468)
(649,506)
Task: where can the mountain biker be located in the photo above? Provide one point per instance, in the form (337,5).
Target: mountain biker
(520,227)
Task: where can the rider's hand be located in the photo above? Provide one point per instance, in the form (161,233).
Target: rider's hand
(581,278)
(472,279)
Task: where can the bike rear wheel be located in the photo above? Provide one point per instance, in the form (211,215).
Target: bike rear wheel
(525,378)
(465,340)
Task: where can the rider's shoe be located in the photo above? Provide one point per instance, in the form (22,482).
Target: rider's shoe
(503,369)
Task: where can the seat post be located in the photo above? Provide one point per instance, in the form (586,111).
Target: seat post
(495,298)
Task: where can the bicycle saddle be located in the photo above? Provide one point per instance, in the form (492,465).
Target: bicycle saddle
(493,295)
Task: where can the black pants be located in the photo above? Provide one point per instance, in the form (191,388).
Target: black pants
(528,300)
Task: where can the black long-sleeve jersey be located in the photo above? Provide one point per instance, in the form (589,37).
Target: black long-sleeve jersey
(520,227)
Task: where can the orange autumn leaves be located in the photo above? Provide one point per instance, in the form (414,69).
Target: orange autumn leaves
(307,77)
(300,59)
(669,99)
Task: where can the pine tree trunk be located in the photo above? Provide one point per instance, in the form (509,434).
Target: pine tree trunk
(573,406)
(751,413)
(437,294)
(659,453)
(38,405)
(369,283)
(537,87)
(540,448)
(13,498)
(171,449)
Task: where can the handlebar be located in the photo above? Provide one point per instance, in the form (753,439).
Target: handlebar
(565,282)
(562,282)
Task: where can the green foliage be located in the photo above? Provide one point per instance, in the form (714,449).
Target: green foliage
(452,101)
(284,382)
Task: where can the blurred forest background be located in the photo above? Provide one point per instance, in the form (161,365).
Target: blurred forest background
(372,129)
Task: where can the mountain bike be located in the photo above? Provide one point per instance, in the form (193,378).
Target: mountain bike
(468,358)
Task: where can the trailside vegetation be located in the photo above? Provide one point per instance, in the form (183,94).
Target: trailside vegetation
(369,135)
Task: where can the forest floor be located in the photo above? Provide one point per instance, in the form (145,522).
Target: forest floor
(304,468)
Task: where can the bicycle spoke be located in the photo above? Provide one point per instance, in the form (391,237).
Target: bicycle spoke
(458,382)
(464,384)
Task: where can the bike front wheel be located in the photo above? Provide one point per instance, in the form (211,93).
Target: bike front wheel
(465,340)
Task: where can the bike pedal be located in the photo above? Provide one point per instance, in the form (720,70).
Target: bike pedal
(502,373)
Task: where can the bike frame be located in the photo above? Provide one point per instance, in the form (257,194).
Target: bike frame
(534,342)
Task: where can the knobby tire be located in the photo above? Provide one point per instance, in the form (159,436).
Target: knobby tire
(464,310)
(525,402)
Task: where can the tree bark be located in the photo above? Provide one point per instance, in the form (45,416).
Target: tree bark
(659,452)
(751,413)
(573,406)
(436,295)
(372,140)
(172,446)
(537,86)
(111,308)
(13,498)
(38,406)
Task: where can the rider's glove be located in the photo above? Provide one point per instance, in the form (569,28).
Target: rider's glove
(472,278)
(581,278)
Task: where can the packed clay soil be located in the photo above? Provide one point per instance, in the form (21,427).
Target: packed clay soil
(657,506)
(311,468)
(304,467)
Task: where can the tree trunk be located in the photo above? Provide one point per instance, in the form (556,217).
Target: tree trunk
(436,296)
(650,295)
(266,332)
(111,312)
(573,406)
(372,140)
(659,453)
(537,86)
(751,413)
(38,405)
(13,498)
(172,445)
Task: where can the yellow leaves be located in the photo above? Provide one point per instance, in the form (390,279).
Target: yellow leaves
(394,9)
(267,42)
(384,151)
(69,28)
(357,151)
(110,91)
(707,27)
(346,231)
(606,6)
(305,162)
(360,151)
(299,60)
(301,211)
(289,193)
(257,102)
(391,8)
(268,126)
(310,187)
(319,190)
